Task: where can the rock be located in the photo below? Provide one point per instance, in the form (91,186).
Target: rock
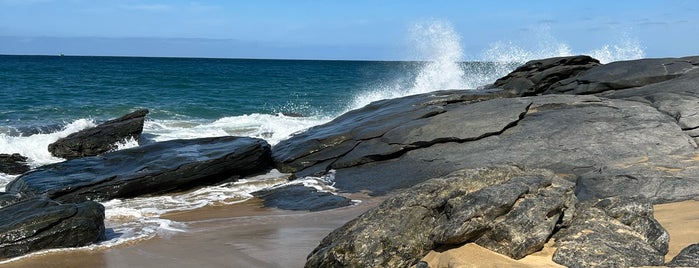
(626,74)
(394,144)
(506,209)
(147,170)
(300,197)
(9,198)
(13,164)
(612,232)
(688,257)
(678,98)
(39,223)
(100,139)
(537,76)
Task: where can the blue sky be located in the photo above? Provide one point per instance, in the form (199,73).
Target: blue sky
(357,29)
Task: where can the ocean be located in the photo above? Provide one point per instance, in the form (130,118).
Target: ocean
(48,97)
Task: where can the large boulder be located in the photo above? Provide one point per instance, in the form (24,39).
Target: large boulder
(13,164)
(150,169)
(612,232)
(398,143)
(626,74)
(39,223)
(100,139)
(537,76)
(507,209)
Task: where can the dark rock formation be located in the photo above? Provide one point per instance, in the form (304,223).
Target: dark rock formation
(39,223)
(300,197)
(150,169)
(537,76)
(398,143)
(688,257)
(612,232)
(506,209)
(13,164)
(626,74)
(100,139)
(8,198)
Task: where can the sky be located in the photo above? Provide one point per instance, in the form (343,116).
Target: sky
(346,30)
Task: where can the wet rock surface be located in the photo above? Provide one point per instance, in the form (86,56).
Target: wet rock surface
(147,170)
(300,197)
(13,164)
(100,139)
(40,223)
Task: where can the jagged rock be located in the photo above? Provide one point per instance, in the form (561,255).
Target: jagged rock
(398,143)
(537,76)
(150,169)
(100,139)
(626,74)
(688,257)
(612,232)
(39,223)
(506,209)
(300,197)
(13,164)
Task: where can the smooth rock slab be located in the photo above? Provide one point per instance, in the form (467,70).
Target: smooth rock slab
(147,170)
(40,223)
(100,139)
(612,232)
(300,197)
(505,209)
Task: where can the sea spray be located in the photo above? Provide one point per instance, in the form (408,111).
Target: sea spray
(35,147)
(271,127)
(439,46)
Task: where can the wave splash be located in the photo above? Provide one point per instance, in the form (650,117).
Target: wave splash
(436,42)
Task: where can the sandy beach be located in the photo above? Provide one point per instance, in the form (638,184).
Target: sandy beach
(246,235)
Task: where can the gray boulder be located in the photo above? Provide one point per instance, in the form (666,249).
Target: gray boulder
(626,74)
(13,164)
(398,143)
(100,139)
(39,223)
(146,170)
(506,209)
(537,76)
(300,197)
(688,257)
(612,232)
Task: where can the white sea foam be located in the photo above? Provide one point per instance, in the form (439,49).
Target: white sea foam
(437,43)
(272,128)
(35,147)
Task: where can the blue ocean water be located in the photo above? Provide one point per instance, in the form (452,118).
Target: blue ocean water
(42,90)
(44,98)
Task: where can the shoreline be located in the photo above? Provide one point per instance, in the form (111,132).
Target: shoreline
(238,235)
(248,235)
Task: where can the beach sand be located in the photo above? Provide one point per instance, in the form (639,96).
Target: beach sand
(680,219)
(246,235)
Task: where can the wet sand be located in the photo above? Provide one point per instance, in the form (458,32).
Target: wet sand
(246,235)
(241,235)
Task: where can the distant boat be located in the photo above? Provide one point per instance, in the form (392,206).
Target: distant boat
(61,55)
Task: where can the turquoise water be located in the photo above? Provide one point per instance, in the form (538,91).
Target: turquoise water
(44,90)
